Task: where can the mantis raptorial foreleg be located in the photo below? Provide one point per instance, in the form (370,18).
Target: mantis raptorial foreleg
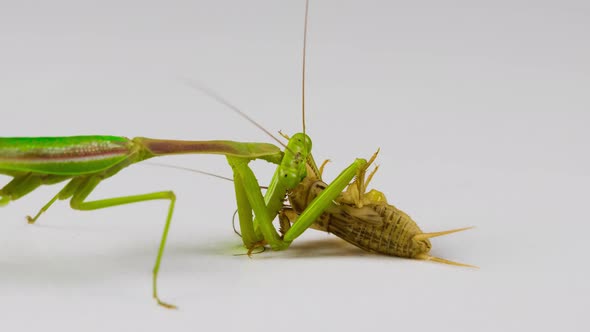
(87,160)
(250,199)
(323,201)
(248,233)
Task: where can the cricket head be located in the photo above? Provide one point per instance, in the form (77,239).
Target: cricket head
(293,167)
(422,244)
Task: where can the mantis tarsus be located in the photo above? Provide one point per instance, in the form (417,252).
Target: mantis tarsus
(84,161)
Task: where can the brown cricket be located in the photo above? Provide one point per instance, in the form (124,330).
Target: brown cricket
(363,218)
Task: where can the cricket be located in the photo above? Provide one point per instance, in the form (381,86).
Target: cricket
(296,194)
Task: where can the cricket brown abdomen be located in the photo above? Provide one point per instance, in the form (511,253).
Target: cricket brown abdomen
(376,227)
(380,228)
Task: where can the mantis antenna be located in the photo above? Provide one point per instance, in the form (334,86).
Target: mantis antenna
(233,220)
(193,170)
(151,163)
(303,67)
(229,105)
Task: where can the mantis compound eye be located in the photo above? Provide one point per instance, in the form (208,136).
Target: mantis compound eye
(290,177)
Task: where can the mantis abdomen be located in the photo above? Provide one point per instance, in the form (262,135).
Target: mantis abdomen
(67,156)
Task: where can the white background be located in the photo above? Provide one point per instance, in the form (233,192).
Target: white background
(481,110)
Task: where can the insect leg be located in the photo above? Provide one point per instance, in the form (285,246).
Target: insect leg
(323,201)
(245,214)
(65,193)
(81,193)
(287,216)
(355,193)
(321,170)
(255,201)
(19,186)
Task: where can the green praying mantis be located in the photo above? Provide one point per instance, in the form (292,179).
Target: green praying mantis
(341,207)
(85,161)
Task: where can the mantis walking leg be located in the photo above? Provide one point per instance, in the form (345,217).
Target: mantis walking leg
(25,183)
(78,190)
(19,187)
(65,193)
(77,202)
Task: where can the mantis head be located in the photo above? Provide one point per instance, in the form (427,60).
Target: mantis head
(293,167)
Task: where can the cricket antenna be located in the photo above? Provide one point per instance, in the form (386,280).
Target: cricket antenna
(229,105)
(303,67)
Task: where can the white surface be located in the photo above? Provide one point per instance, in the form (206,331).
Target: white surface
(481,113)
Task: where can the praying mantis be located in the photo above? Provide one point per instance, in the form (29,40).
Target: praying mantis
(83,162)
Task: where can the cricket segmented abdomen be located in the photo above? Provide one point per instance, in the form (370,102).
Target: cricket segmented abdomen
(73,155)
(377,227)
(380,228)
